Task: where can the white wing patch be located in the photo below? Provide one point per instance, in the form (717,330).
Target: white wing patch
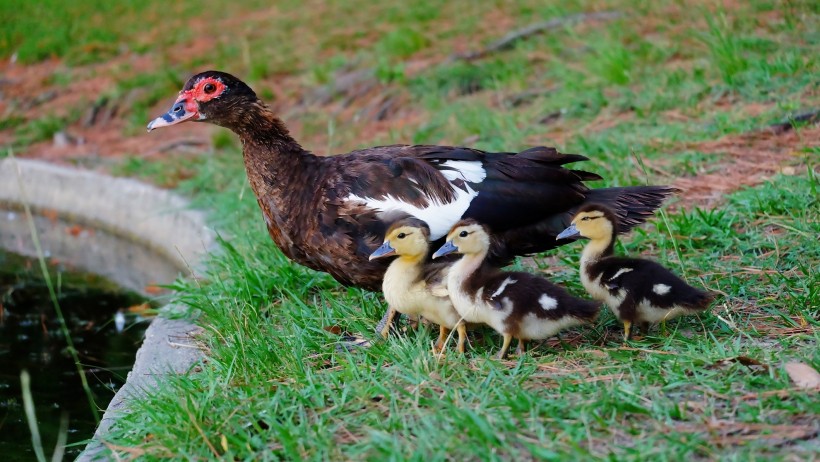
(507,282)
(661,289)
(440,217)
(468,170)
(547,302)
(620,272)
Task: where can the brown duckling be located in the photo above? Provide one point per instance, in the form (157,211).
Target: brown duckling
(515,304)
(635,289)
(415,287)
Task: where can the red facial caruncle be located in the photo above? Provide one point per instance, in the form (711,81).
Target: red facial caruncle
(205,89)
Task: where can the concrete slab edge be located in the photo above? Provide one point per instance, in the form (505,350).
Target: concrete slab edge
(142,213)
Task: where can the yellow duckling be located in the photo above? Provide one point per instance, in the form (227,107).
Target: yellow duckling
(635,289)
(414,287)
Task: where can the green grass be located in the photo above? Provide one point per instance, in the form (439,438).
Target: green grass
(277,386)
(648,88)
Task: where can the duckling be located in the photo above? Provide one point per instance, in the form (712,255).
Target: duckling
(414,287)
(515,304)
(635,289)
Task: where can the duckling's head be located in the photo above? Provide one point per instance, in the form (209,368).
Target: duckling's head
(592,221)
(466,237)
(408,238)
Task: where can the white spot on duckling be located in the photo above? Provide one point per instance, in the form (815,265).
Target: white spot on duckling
(661,289)
(507,282)
(547,302)
(620,272)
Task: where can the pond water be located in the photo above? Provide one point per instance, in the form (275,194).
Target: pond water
(102,282)
(106,325)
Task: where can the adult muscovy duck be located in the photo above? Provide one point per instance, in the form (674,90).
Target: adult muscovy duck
(331,213)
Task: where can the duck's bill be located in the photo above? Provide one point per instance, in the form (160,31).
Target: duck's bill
(448,247)
(181,111)
(570,232)
(384,251)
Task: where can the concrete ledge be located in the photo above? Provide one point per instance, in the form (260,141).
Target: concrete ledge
(152,217)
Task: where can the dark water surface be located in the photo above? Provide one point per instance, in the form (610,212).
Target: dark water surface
(31,339)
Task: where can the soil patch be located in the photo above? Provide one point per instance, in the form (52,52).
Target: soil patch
(748,159)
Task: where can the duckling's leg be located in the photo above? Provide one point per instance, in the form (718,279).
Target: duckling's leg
(506,346)
(644,326)
(627,330)
(386,323)
(462,336)
(413,321)
(522,347)
(442,337)
(627,311)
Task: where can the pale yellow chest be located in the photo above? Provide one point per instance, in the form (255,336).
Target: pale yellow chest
(407,293)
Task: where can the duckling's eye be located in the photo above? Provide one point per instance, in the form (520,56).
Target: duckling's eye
(401,236)
(463,234)
(209,88)
(584,218)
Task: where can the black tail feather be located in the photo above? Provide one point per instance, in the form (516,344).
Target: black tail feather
(633,204)
(699,300)
(587,310)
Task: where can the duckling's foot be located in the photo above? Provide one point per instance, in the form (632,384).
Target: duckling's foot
(521,349)
(502,354)
(352,342)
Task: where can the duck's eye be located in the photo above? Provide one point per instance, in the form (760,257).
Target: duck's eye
(209,88)
(401,236)
(463,234)
(584,218)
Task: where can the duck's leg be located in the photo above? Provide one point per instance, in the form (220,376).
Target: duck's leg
(442,337)
(627,330)
(522,347)
(462,336)
(504,347)
(383,327)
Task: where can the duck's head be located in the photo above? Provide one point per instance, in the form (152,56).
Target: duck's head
(592,221)
(210,96)
(465,237)
(407,238)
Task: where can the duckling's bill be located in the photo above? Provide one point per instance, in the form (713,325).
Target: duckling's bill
(448,247)
(570,232)
(385,250)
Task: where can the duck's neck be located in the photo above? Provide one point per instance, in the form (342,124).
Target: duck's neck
(257,125)
(272,157)
(278,168)
(597,249)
